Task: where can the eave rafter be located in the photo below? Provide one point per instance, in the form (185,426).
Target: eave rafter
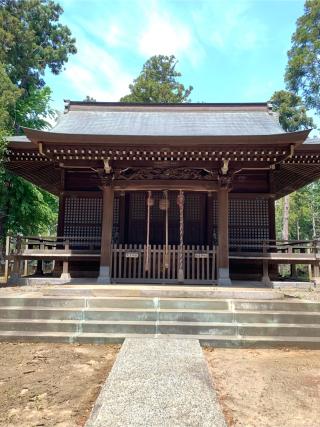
(256,156)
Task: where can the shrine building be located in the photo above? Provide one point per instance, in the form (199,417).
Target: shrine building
(165,193)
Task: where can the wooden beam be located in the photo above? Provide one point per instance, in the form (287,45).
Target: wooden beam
(106,234)
(159,185)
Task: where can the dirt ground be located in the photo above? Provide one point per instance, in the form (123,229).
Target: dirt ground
(267,388)
(48,385)
(311,295)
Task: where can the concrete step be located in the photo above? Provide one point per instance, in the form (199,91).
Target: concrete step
(160,327)
(178,315)
(205,340)
(59,302)
(246,291)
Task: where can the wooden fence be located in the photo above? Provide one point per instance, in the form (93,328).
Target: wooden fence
(133,263)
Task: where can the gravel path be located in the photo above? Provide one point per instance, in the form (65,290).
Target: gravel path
(158,382)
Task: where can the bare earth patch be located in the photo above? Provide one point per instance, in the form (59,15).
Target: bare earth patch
(267,388)
(311,295)
(51,384)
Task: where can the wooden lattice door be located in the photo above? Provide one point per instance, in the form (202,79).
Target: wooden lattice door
(195,219)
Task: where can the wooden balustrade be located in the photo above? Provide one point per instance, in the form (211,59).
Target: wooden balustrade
(130,263)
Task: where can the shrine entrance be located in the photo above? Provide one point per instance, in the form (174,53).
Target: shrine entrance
(195,225)
(166,239)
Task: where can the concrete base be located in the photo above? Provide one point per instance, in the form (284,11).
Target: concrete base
(180,276)
(266,281)
(104,276)
(65,277)
(224,277)
(293,285)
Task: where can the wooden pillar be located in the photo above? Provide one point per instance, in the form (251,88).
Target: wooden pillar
(209,220)
(106,234)
(122,217)
(273,268)
(223,237)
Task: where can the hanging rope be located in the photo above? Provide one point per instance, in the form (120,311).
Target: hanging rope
(181,232)
(149,204)
(166,252)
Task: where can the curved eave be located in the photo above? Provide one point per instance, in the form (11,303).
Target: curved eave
(306,148)
(37,136)
(27,145)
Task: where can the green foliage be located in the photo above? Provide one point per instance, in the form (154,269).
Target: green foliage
(157,83)
(292,111)
(304,214)
(34,110)
(303,69)
(304,218)
(9,93)
(32,39)
(29,210)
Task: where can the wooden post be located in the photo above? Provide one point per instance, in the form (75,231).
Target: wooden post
(106,234)
(223,237)
(65,275)
(315,266)
(6,264)
(265,266)
(16,272)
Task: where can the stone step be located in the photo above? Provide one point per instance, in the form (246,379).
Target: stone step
(246,291)
(205,340)
(162,327)
(179,315)
(163,303)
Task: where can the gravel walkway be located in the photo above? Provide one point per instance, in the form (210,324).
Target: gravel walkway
(158,382)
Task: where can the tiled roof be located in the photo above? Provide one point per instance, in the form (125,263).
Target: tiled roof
(168,122)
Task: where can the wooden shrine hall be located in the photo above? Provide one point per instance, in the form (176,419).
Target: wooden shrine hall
(165,193)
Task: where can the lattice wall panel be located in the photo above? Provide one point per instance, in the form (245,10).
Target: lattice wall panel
(248,220)
(83,217)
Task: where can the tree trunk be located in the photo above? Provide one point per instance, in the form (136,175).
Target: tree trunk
(286,212)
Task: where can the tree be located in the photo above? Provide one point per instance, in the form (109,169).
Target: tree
(89,98)
(27,209)
(292,116)
(32,39)
(292,111)
(157,83)
(9,94)
(303,69)
(24,207)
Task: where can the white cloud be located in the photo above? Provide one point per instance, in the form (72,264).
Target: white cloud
(227,25)
(115,35)
(164,34)
(96,73)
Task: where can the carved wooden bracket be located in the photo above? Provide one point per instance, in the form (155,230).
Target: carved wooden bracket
(150,173)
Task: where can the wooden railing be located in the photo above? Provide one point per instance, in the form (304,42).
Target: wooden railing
(276,249)
(24,245)
(20,250)
(134,263)
(131,263)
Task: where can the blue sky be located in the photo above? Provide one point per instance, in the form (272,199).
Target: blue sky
(228,50)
